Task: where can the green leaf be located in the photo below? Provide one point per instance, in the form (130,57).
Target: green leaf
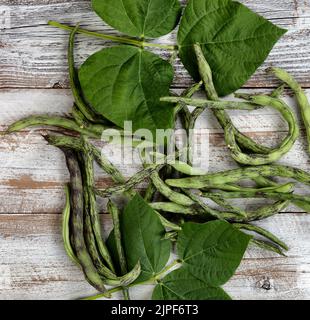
(234,40)
(125,83)
(111,245)
(141,18)
(181,285)
(212,251)
(143,238)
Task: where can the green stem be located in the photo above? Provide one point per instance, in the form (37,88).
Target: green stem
(153,280)
(166,269)
(123,40)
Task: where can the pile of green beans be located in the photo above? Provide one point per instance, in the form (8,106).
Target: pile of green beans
(174,200)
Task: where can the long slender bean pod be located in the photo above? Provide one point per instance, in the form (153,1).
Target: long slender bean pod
(150,192)
(113,210)
(268,235)
(131,183)
(191,126)
(74,82)
(209,104)
(78,117)
(226,205)
(188,93)
(88,174)
(235,175)
(173,208)
(77,207)
(301,97)
(95,243)
(167,191)
(260,213)
(267,195)
(60,122)
(66,228)
(137,178)
(267,246)
(168,224)
(213,212)
(284,188)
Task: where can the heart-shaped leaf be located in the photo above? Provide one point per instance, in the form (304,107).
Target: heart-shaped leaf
(143,238)
(181,285)
(124,83)
(212,251)
(234,40)
(140,18)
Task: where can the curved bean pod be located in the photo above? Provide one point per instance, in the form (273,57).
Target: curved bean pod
(301,97)
(277,153)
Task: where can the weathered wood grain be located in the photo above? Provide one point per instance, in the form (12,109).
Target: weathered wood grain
(35,266)
(33,55)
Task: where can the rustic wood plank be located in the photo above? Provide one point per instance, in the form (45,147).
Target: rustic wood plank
(33,55)
(34,265)
(33,174)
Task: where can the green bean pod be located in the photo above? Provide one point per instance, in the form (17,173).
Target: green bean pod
(258,214)
(78,117)
(268,235)
(77,207)
(60,122)
(88,175)
(66,229)
(76,144)
(226,205)
(150,192)
(277,153)
(209,104)
(168,224)
(284,188)
(268,195)
(213,212)
(113,210)
(267,246)
(301,97)
(235,175)
(74,82)
(131,183)
(168,192)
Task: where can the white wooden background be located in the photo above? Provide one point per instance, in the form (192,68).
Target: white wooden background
(33,80)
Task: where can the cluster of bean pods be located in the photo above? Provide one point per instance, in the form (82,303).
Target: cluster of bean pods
(176,199)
